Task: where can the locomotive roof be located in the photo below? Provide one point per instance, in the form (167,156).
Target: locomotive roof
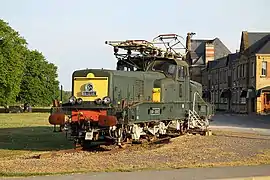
(84,72)
(178,62)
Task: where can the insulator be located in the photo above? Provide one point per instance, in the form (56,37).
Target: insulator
(115,49)
(159,53)
(165,54)
(155,52)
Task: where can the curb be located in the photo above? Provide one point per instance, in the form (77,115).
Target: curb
(248,178)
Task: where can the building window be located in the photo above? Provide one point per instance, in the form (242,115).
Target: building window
(226,76)
(264,68)
(220,76)
(244,70)
(243,100)
(217,77)
(241,70)
(238,97)
(253,69)
(234,74)
(238,72)
(234,97)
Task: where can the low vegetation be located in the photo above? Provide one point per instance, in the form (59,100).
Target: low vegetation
(26,135)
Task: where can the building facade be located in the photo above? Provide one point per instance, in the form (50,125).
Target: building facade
(240,82)
(202,51)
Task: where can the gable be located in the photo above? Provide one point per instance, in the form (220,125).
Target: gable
(197,51)
(253,42)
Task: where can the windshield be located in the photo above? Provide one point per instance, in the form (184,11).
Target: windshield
(166,67)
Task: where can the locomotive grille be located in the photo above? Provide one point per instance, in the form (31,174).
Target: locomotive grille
(139,90)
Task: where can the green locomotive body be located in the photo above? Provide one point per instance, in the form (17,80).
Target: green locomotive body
(119,106)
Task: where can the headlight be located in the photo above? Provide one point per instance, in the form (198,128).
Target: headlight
(72,99)
(79,100)
(106,100)
(98,101)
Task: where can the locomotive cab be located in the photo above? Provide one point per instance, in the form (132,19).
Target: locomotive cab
(175,85)
(171,68)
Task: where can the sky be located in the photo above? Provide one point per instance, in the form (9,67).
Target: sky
(72,34)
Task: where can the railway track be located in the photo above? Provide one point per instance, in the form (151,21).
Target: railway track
(101,149)
(111,148)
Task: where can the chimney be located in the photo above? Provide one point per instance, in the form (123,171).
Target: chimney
(209,52)
(244,41)
(188,42)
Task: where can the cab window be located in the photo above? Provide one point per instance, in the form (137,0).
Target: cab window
(171,69)
(181,72)
(167,68)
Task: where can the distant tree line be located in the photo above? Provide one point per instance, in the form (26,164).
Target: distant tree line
(25,75)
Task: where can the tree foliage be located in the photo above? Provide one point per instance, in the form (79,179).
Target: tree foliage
(12,56)
(25,75)
(65,96)
(39,85)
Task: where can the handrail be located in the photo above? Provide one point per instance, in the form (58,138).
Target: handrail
(208,105)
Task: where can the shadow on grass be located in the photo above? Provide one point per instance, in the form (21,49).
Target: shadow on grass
(40,138)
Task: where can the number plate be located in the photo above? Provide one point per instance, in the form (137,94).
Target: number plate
(89,93)
(154,111)
(89,136)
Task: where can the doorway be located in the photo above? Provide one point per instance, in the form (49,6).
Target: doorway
(265,100)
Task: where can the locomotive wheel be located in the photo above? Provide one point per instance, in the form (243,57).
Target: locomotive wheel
(123,145)
(152,138)
(86,144)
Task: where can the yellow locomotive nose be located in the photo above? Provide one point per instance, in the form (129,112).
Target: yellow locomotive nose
(90,87)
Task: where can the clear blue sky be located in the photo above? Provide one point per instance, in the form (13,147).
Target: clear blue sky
(72,33)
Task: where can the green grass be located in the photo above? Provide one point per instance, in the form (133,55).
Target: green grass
(28,132)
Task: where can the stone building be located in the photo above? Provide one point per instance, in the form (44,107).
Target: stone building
(217,82)
(240,82)
(251,80)
(202,51)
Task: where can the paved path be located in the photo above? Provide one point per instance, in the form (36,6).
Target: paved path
(248,123)
(185,174)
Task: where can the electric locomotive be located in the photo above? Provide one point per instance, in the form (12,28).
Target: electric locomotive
(149,95)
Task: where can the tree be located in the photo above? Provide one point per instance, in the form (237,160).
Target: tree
(25,76)
(12,55)
(65,96)
(39,85)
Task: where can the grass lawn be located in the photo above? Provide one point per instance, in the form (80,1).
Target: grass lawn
(25,135)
